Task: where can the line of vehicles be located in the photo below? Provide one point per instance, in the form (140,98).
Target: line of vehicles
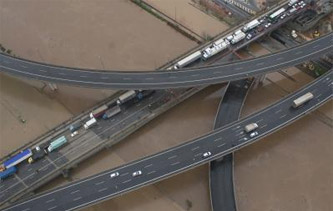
(248,31)
(250,129)
(106,111)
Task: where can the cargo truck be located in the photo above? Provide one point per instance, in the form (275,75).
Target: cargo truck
(8,172)
(238,36)
(126,97)
(57,143)
(98,111)
(301,100)
(90,123)
(187,60)
(251,127)
(251,25)
(111,112)
(18,158)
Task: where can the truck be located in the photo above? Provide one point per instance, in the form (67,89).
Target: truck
(57,143)
(292,2)
(251,127)
(89,123)
(111,112)
(75,126)
(302,99)
(18,158)
(37,153)
(143,94)
(126,97)
(238,36)
(187,60)
(275,15)
(98,111)
(8,172)
(251,25)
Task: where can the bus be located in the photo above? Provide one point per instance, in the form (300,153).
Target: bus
(302,99)
(275,15)
(18,158)
(57,143)
(8,172)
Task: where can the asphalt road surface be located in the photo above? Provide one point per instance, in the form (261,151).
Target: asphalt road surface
(167,79)
(180,158)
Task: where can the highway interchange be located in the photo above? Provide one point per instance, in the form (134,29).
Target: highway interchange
(168,79)
(177,159)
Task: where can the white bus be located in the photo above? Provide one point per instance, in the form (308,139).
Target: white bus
(276,14)
(250,25)
(303,99)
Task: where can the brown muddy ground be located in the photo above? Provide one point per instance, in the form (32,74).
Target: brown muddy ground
(186,14)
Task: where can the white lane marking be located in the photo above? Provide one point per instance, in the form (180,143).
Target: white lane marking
(263,126)
(51,200)
(5,61)
(172,76)
(73,192)
(51,208)
(99,183)
(149,78)
(127,79)
(175,163)
(62,73)
(104,77)
(238,68)
(44,71)
(147,166)
(26,209)
(23,66)
(282,116)
(103,189)
(29,169)
(217,72)
(199,154)
(221,145)
(316,46)
(151,172)
(195,148)
(260,120)
(173,156)
(83,76)
(218,139)
(280,58)
(195,75)
(319,95)
(78,198)
(278,111)
(299,52)
(124,174)
(127,181)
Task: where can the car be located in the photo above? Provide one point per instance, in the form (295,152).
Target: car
(74,133)
(249,36)
(206,154)
(255,133)
(267,25)
(114,174)
(261,20)
(137,173)
(260,28)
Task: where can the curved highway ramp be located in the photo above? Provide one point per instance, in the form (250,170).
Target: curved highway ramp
(180,158)
(167,79)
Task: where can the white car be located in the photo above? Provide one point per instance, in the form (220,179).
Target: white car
(137,173)
(114,174)
(206,154)
(74,133)
(255,133)
(268,25)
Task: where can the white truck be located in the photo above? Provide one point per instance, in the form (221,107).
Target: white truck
(251,25)
(126,97)
(90,123)
(238,36)
(187,60)
(251,127)
(302,99)
(292,2)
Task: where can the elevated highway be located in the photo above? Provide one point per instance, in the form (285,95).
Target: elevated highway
(167,79)
(179,158)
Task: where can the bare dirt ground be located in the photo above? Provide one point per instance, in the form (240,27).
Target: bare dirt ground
(183,12)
